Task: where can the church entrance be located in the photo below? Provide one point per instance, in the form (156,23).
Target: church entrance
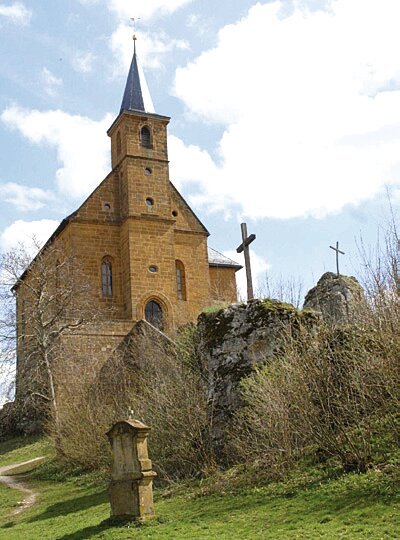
(154,314)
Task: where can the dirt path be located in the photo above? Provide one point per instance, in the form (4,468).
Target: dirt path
(7,478)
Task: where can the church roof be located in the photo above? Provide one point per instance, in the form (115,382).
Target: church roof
(215,258)
(136,96)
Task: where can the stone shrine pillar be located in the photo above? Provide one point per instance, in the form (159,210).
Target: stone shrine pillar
(131,486)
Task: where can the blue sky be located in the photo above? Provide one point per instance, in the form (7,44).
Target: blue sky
(285,114)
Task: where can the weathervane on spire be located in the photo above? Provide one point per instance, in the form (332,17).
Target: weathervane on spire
(134,20)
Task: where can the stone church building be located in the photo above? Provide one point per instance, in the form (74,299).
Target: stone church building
(141,245)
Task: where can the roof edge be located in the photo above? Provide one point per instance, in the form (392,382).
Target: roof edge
(226,265)
(189,208)
(142,114)
(55,234)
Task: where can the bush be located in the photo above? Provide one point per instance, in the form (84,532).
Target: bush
(323,396)
(163,389)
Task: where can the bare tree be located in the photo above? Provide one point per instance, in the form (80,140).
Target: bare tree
(13,264)
(42,301)
(286,289)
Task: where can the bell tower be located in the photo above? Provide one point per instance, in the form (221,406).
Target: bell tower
(140,164)
(139,150)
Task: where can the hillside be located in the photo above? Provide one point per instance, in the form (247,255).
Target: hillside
(316,502)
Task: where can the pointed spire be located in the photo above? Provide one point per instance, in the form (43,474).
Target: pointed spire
(136,95)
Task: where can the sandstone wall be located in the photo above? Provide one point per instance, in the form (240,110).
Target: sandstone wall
(223,284)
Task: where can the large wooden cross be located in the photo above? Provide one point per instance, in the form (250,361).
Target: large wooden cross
(244,247)
(337,256)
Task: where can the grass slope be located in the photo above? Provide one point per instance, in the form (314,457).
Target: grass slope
(309,507)
(22,449)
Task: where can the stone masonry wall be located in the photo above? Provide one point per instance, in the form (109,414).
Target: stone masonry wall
(223,284)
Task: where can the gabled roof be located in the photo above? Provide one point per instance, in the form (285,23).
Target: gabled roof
(128,425)
(215,258)
(185,204)
(55,234)
(136,95)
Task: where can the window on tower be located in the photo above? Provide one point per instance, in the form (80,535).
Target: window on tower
(180,280)
(106,277)
(119,143)
(145,137)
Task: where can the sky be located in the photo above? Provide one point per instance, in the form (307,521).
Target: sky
(285,114)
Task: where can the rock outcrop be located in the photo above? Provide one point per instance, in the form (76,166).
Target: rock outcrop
(233,342)
(338,298)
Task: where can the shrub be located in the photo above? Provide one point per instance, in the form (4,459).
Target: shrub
(323,395)
(163,389)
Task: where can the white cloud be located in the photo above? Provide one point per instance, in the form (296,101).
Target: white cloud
(310,103)
(189,164)
(17,13)
(259,266)
(23,232)
(82,145)
(83,62)
(50,82)
(25,198)
(151,48)
(145,9)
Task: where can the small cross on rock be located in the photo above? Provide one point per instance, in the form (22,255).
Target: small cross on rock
(337,256)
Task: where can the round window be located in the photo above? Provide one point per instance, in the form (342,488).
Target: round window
(148,171)
(175,213)
(150,202)
(153,269)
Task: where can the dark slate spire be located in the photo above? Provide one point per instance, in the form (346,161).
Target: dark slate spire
(133,96)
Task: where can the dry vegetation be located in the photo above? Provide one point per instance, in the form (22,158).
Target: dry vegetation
(161,388)
(334,397)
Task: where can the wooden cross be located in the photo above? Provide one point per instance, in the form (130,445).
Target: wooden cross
(337,256)
(244,247)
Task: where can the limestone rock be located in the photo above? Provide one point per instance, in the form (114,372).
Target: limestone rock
(337,298)
(235,340)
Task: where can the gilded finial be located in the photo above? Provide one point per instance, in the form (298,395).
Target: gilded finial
(134,37)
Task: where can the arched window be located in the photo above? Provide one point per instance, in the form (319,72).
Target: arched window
(154,314)
(106,277)
(145,137)
(180,280)
(119,144)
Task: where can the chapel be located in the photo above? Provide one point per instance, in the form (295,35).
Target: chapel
(143,248)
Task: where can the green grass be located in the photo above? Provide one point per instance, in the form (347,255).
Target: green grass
(8,501)
(22,449)
(311,505)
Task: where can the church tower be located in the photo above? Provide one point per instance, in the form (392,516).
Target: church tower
(164,260)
